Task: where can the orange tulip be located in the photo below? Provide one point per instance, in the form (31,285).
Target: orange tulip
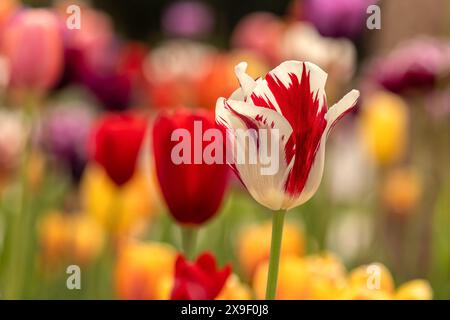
(74,237)
(402,190)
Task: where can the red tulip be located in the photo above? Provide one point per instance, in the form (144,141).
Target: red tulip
(33,44)
(193,190)
(200,280)
(115,145)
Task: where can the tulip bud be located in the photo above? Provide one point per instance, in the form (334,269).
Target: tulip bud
(193,191)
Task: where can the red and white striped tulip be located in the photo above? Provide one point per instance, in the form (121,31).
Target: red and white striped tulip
(291,99)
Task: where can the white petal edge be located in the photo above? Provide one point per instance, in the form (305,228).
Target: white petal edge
(347,102)
(246,82)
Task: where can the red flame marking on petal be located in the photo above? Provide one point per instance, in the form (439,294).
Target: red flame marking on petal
(300,107)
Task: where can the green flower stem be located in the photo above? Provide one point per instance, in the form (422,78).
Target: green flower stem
(188,241)
(274,260)
(22,222)
(105,260)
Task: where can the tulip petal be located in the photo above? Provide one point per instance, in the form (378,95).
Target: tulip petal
(313,180)
(340,109)
(336,112)
(266,189)
(238,95)
(267,93)
(246,82)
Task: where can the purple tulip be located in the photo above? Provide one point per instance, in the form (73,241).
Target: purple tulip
(93,58)
(187,19)
(64,135)
(338,18)
(414,65)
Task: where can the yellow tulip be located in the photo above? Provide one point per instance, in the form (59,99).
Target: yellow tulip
(254,244)
(384,127)
(87,238)
(234,289)
(313,277)
(328,276)
(374,277)
(292,278)
(120,211)
(415,290)
(145,271)
(361,293)
(164,287)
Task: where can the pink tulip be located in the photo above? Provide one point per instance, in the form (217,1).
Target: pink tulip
(259,32)
(32,42)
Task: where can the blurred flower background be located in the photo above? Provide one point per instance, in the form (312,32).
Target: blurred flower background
(85,178)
